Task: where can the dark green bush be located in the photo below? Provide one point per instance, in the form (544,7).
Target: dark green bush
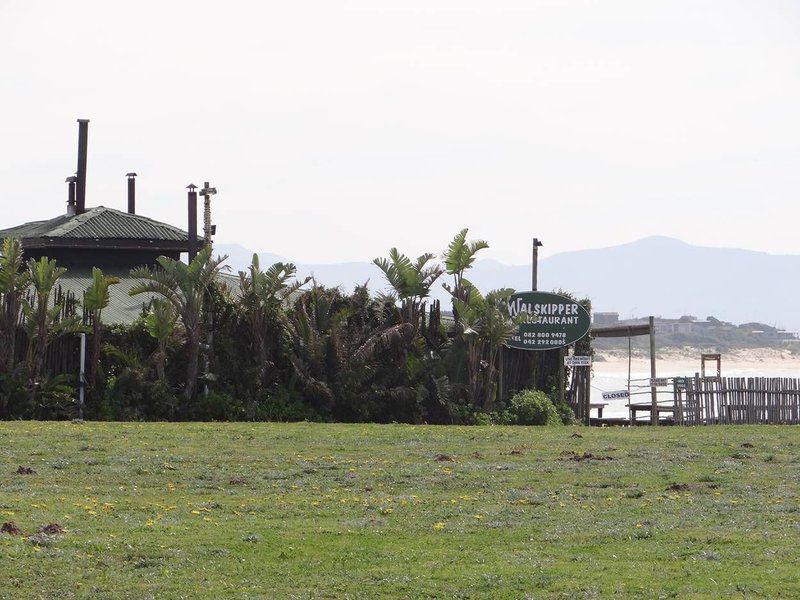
(131,397)
(531,407)
(53,398)
(218,406)
(283,405)
(563,409)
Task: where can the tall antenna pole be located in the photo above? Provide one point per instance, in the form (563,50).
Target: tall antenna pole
(208,229)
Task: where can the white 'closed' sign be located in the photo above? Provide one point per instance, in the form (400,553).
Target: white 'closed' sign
(618,395)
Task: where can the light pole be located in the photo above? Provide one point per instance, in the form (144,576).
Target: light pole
(535,264)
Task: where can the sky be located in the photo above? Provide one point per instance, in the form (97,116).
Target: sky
(334,130)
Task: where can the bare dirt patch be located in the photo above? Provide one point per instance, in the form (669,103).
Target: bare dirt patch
(444,458)
(688,487)
(25,471)
(10,528)
(52,529)
(588,456)
(678,487)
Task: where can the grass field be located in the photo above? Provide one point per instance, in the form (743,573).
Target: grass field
(360,511)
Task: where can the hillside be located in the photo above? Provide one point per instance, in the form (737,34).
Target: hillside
(655,275)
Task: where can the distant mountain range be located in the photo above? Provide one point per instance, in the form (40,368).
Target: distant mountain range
(655,275)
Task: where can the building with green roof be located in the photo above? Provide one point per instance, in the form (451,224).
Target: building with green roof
(100,237)
(114,240)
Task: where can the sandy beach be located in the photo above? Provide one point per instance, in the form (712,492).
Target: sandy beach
(686,361)
(610,369)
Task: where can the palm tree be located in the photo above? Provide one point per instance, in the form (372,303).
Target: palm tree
(263,296)
(42,321)
(459,256)
(95,300)
(184,287)
(160,323)
(347,353)
(13,282)
(486,325)
(410,280)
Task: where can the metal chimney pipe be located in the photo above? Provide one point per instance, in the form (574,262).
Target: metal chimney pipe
(192,221)
(131,193)
(71,195)
(83,141)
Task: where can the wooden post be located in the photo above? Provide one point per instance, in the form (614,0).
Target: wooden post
(653,391)
(500,374)
(586,382)
(561,383)
(631,414)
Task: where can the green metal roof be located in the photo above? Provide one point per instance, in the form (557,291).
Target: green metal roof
(96,224)
(122,309)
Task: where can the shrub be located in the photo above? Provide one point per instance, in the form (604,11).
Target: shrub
(532,407)
(52,398)
(218,406)
(563,409)
(285,406)
(482,418)
(131,397)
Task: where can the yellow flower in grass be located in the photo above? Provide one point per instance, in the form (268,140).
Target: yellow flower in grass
(438,526)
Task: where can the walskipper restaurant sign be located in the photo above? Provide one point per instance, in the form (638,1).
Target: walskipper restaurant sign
(551,321)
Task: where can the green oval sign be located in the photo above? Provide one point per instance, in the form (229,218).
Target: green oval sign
(552,321)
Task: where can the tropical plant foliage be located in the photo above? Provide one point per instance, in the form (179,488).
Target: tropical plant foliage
(13,283)
(185,287)
(411,281)
(458,258)
(267,345)
(95,300)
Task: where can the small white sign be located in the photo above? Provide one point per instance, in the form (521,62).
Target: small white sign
(658,382)
(618,395)
(577,361)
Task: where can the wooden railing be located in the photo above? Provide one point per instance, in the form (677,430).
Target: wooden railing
(738,400)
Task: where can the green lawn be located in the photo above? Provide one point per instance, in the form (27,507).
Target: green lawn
(360,511)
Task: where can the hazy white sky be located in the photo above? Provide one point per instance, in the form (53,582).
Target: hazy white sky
(334,130)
